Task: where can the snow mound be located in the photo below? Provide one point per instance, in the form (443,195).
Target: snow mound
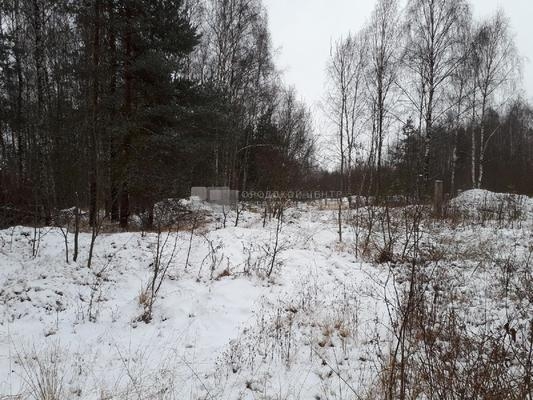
(477,201)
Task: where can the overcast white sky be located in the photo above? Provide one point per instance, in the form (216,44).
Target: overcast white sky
(302,31)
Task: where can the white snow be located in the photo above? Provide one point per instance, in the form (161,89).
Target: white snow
(221,328)
(479,200)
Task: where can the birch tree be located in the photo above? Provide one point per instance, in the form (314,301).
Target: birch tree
(432,29)
(344,105)
(495,66)
(461,90)
(383,35)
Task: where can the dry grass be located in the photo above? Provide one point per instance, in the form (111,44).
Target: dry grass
(43,373)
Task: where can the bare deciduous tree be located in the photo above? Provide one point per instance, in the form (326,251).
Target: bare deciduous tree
(343,104)
(460,91)
(343,100)
(432,29)
(495,64)
(383,54)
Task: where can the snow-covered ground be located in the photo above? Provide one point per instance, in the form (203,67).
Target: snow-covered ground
(321,326)
(485,203)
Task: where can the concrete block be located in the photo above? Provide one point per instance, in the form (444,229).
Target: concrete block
(200,192)
(219,195)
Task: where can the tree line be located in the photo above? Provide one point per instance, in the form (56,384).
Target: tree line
(427,92)
(114,105)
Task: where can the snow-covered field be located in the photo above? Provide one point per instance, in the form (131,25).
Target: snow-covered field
(323,325)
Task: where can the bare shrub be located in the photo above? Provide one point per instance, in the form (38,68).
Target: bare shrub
(438,352)
(213,257)
(275,248)
(161,261)
(43,373)
(386,234)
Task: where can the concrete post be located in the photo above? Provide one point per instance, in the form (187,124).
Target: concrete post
(438,198)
